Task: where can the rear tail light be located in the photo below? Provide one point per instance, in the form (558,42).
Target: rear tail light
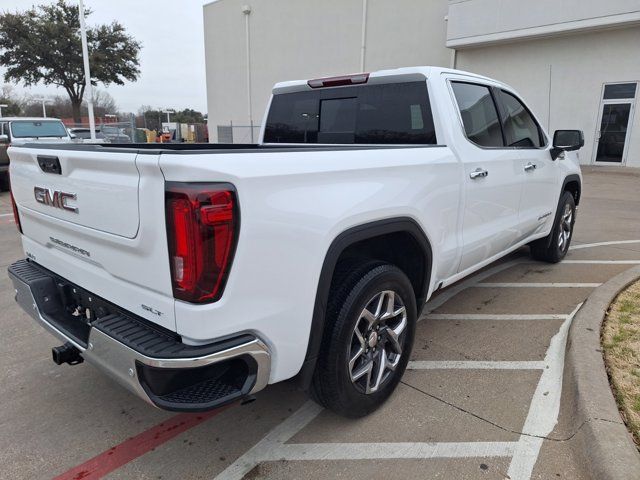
(16,215)
(202,231)
(356,79)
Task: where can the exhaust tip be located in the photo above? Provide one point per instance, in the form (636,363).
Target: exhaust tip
(66,353)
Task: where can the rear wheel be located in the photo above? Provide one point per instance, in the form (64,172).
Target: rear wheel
(370,325)
(554,247)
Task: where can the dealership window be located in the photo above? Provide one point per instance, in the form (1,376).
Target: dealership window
(620,90)
(479,114)
(521,129)
(394,113)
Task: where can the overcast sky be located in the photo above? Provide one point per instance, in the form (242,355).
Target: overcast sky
(172,57)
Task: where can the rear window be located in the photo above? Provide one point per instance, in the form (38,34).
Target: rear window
(394,113)
(37,129)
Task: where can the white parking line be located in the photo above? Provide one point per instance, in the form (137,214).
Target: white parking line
(602,244)
(6,214)
(269,446)
(602,262)
(544,408)
(491,316)
(537,285)
(273,447)
(475,365)
(370,451)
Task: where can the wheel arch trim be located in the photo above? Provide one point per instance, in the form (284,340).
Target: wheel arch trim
(340,243)
(574,177)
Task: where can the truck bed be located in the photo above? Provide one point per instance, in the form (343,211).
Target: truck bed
(213,148)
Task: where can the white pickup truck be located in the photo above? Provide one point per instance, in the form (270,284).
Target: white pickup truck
(195,275)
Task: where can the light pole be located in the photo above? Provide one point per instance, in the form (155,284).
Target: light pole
(4,105)
(168,112)
(44,108)
(87,71)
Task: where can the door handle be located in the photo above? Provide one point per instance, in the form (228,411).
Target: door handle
(529,167)
(478,173)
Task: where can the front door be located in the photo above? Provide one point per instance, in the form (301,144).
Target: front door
(538,172)
(492,180)
(614,128)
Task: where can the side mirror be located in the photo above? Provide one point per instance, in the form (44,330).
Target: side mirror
(4,138)
(566,141)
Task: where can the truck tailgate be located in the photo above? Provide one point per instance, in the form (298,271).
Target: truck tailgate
(105,185)
(98,222)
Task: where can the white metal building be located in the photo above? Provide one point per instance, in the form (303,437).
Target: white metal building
(576,62)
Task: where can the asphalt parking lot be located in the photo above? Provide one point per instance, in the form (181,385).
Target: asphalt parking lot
(481,398)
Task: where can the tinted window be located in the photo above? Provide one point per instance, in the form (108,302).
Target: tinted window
(397,113)
(521,129)
(337,120)
(620,90)
(37,129)
(479,114)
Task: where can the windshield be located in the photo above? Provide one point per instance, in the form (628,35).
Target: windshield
(37,129)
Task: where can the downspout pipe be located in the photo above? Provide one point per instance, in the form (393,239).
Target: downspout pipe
(363,44)
(246,10)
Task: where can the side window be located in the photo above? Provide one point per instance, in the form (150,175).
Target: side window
(521,129)
(479,114)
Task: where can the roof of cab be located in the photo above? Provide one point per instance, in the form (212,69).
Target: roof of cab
(383,76)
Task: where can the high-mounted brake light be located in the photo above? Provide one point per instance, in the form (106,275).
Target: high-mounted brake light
(202,231)
(339,81)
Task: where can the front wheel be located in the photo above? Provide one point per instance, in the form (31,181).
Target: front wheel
(554,247)
(370,325)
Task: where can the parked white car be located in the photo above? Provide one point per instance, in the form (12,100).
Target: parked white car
(21,130)
(195,275)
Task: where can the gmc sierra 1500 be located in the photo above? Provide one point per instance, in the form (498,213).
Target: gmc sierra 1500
(197,274)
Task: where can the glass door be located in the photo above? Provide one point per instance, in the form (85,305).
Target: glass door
(616,113)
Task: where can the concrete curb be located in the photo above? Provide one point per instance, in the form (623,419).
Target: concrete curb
(602,438)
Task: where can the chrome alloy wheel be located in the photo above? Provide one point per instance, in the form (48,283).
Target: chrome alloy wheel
(376,343)
(566,223)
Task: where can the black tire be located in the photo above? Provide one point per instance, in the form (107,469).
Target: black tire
(552,248)
(352,292)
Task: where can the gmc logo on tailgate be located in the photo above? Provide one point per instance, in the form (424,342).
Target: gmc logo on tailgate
(55,198)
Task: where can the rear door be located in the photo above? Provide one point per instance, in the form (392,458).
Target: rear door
(95,216)
(492,184)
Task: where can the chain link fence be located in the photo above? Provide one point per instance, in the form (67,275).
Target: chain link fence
(238,133)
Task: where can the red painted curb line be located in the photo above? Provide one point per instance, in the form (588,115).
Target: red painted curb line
(121,454)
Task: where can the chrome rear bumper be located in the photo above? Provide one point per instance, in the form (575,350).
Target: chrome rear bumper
(128,365)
